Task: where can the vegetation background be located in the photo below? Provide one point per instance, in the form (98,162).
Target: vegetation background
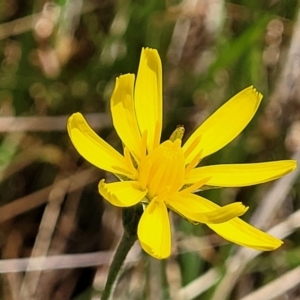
(63,56)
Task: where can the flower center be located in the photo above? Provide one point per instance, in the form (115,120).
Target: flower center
(162,171)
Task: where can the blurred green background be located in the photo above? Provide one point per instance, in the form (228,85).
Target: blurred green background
(61,57)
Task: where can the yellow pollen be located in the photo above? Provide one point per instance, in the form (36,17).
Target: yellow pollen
(164,193)
(162,171)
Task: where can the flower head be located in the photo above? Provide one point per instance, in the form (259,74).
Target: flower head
(165,175)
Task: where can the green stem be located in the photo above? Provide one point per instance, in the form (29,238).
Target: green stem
(131,217)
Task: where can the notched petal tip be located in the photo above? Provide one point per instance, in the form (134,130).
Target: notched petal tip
(106,193)
(276,243)
(293,164)
(252,89)
(124,85)
(71,119)
(156,254)
(147,51)
(231,211)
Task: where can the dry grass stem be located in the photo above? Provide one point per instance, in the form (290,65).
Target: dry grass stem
(57,123)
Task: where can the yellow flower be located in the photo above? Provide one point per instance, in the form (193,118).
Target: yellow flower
(165,175)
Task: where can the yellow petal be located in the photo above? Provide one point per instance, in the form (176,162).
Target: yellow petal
(94,149)
(243,234)
(154,230)
(225,124)
(191,208)
(240,232)
(235,175)
(122,193)
(148,96)
(123,114)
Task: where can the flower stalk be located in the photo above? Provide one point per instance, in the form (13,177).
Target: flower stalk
(130,217)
